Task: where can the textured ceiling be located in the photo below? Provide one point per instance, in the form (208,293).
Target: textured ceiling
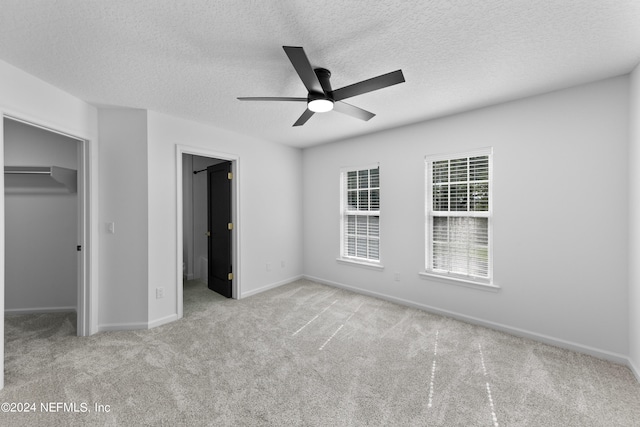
(193,58)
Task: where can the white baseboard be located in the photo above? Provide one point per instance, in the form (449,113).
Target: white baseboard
(634,369)
(122,326)
(271,286)
(137,325)
(601,354)
(163,321)
(37,310)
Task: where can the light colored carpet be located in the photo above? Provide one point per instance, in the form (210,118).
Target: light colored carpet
(305,354)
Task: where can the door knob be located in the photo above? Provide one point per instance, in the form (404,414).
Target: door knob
(208,234)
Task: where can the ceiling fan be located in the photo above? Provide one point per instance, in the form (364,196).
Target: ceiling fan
(321,98)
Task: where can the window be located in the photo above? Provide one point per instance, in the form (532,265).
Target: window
(458,208)
(360,214)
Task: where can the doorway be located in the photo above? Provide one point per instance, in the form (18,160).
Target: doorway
(207,221)
(45,251)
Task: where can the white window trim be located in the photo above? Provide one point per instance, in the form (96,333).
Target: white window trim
(355,261)
(460,281)
(428,273)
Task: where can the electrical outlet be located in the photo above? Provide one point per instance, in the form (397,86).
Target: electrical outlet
(397,276)
(159,293)
(282,264)
(268,266)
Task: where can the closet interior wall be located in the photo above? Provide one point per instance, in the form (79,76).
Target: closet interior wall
(40,225)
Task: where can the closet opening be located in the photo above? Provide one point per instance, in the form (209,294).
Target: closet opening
(45,253)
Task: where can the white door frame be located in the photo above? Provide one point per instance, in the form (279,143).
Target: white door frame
(86,302)
(235,218)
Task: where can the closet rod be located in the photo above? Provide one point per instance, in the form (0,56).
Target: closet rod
(21,179)
(31,171)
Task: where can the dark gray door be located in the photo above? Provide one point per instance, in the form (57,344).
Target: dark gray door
(220,228)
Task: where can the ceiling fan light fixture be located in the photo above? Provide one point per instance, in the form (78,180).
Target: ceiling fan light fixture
(320,105)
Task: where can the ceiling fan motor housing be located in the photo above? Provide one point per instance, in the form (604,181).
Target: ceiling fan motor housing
(323,76)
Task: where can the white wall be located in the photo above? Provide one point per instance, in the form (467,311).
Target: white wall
(29,98)
(634,224)
(123,201)
(270,223)
(138,193)
(560,215)
(41,230)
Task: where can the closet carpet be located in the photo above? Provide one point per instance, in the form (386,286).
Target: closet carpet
(303,354)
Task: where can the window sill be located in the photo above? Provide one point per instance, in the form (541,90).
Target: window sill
(363,264)
(459,281)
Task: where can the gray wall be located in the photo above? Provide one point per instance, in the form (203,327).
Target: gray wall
(187,217)
(41,229)
(123,184)
(560,215)
(634,225)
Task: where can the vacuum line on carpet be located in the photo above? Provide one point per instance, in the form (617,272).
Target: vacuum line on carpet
(433,370)
(484,369)
(349,318)
(314,318)
(332,335)
(341,326)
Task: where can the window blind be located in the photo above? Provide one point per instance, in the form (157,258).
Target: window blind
(459,212)
(361,214)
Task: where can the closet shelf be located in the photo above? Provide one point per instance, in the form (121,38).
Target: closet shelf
(39,180)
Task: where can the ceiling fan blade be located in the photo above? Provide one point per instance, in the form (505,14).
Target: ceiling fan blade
(304,69)
(304,117)
(352,110)
(370,85)
(271,98)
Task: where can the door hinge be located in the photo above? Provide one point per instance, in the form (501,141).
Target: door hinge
(230,226)
(230,175)
(230,276)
